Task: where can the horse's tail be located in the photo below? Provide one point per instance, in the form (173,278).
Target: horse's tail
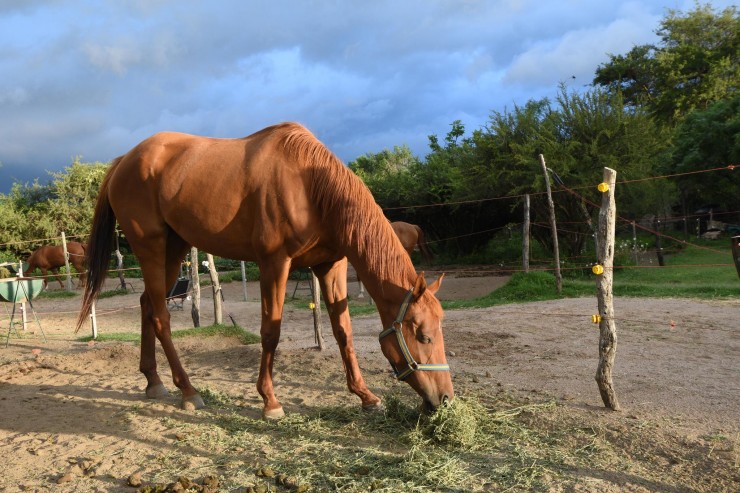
(99,247)
(423,247)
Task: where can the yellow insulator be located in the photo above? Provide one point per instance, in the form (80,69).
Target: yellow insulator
(597,269)
(603,187)
(596,319)
(311,306)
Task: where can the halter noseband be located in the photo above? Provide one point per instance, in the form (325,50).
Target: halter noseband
(411,364)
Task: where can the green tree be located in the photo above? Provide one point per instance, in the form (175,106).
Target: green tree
(694,65)
(705,140)
(579,135)
(386,173)
(32,215)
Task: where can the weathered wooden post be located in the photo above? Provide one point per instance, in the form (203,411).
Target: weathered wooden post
(119,264)
(658,243)
(525,235)
(604,279)
(736,252)
(634,244)
(316,309)
(66,262)
(217,312)
(244,280)
(553,228)
(93,321)
(195,286)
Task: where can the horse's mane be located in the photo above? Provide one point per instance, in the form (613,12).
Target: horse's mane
(346,203)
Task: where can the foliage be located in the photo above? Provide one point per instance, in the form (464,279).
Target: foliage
(42,212)
(694,65)
(709,139)
(215,330)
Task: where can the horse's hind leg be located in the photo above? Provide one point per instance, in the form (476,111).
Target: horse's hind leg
(56,275)
(333,281)
(155,320)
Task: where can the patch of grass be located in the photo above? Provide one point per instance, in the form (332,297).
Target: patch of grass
(692,273)
(113,292)
(57,294)
(209,331)
(219,330)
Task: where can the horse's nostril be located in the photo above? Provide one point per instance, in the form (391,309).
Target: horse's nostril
(445,399)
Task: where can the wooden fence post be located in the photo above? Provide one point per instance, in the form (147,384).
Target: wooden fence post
(607,327)
(316,309)
(658,243)
(66,262)
(119,264)
(553,227)
(736,252)
(244,280)
(195,286)
(217,312)
(525,235)
(634,244)
(93,321)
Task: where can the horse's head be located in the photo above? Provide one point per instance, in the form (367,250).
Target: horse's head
(415,347)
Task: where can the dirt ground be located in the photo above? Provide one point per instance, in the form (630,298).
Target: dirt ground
(678,364)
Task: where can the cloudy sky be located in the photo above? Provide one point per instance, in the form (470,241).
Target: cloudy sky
(93,78)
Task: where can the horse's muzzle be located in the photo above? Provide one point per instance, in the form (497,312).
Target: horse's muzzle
(429,408)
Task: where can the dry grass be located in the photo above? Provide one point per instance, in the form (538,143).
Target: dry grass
(506,444)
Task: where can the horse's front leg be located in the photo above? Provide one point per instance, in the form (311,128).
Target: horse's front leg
(333,281)
(273,279)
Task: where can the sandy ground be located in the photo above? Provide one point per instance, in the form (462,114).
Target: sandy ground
(678,362)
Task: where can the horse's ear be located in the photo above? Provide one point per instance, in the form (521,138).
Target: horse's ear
(434,287)
(419,286)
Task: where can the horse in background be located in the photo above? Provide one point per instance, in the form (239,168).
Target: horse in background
(412,236)
(51,258)
(279,198)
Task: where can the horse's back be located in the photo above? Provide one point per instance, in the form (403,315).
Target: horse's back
(209,190)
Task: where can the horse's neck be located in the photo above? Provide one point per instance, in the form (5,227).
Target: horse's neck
(387,290)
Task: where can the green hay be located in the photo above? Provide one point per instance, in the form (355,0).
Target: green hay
(499,443)
(458,424)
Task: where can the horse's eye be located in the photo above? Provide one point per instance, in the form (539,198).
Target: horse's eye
(424,339)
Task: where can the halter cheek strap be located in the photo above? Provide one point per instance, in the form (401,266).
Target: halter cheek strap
(411,364)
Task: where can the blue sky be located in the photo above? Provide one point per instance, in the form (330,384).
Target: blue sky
(93,78)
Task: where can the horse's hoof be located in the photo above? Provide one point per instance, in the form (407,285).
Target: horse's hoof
(374,408)
(157,391)
(193,402)
(273,414)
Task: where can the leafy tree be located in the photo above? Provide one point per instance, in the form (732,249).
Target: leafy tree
(579,135)
(42,212)
(694,65)
(705,140)
(386,173)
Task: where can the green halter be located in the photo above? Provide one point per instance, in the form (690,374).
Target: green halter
(411,364)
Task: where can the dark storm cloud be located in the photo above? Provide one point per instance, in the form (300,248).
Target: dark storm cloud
(93,78)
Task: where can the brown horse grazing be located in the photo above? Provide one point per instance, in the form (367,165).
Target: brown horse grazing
(280,198)
(51,258)
(412,236)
